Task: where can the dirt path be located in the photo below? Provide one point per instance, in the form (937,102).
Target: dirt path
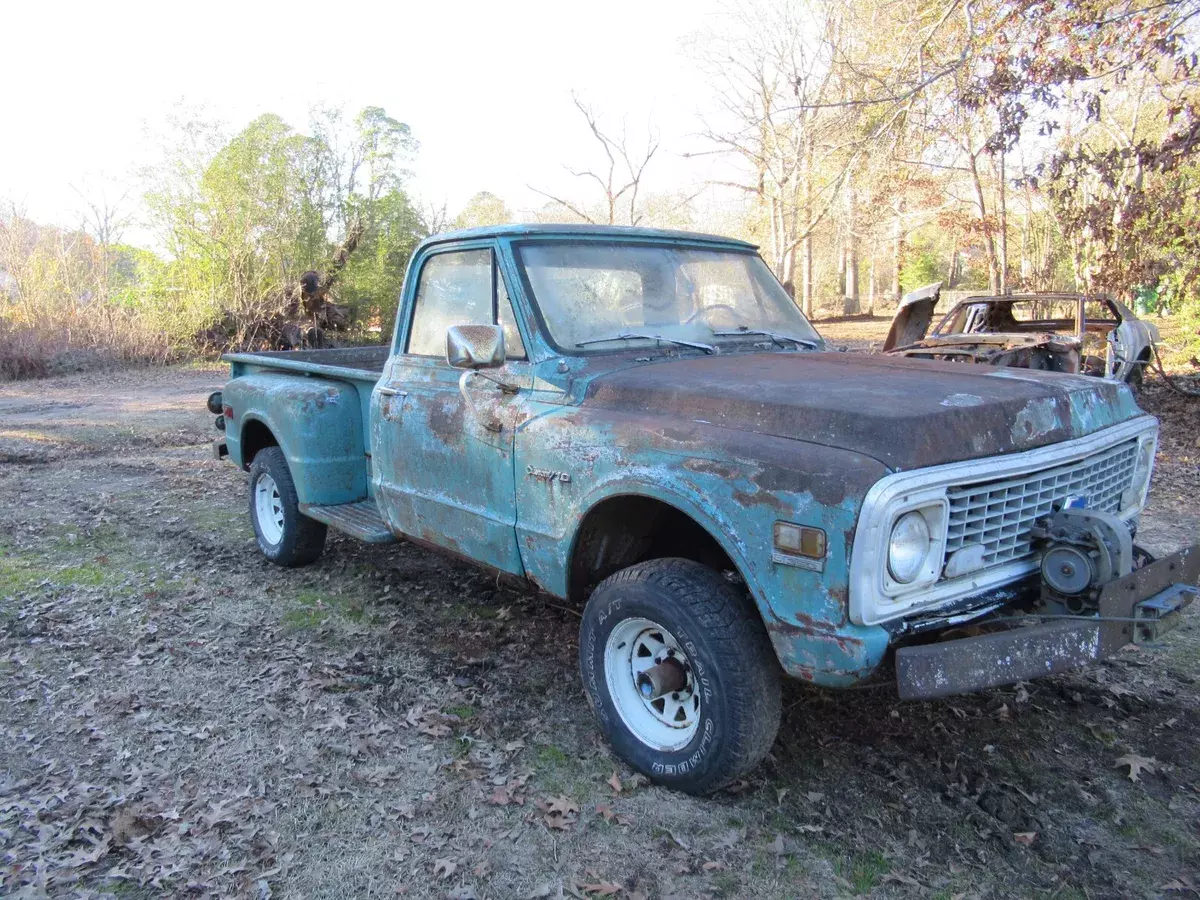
(181,718)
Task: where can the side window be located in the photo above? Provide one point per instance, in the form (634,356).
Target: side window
(461,287)
(513,347)
(455,289)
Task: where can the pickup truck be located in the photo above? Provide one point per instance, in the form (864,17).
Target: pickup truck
(642,422)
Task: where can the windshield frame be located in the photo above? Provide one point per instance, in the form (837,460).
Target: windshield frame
(641,346)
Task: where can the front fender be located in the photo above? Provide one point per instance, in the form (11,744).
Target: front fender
(735,485)
(317,424)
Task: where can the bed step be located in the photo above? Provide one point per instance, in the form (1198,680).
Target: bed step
(360,519)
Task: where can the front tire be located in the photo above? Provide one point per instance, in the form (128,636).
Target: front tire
(285,535)
(680,674)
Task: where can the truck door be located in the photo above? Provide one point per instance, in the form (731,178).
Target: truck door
(442,467)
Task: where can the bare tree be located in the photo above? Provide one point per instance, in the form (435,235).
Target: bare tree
(788,107)
(619,179)
(105,220)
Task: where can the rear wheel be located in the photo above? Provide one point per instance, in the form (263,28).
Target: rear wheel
(680,674)
(285,535)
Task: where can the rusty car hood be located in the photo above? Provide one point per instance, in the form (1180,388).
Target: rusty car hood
(913,316)
(905,413)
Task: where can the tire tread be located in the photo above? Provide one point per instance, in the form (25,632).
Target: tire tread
(747,659)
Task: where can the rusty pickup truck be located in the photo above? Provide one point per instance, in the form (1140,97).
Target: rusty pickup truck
(642,422)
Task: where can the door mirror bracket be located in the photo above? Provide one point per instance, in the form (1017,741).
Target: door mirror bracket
(476,347)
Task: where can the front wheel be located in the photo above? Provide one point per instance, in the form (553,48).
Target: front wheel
(285,535)
(680,673)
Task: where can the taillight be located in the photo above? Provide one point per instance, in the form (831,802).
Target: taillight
(227,410)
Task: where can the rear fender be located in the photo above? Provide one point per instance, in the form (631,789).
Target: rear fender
(318,426)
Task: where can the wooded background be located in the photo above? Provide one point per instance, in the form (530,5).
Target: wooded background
(879,145)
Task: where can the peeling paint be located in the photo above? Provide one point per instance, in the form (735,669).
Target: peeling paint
(963,400)
(727,444)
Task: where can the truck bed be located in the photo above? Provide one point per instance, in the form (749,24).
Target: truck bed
(347,363)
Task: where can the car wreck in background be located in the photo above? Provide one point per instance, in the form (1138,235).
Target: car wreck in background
(1077,333)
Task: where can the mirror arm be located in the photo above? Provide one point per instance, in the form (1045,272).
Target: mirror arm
(504,386)
(466,395)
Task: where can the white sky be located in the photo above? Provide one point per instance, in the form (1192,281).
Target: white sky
(484,86)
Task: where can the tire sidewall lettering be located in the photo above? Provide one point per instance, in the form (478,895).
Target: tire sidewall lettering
(663,765)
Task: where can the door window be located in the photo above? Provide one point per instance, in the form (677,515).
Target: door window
(462,287)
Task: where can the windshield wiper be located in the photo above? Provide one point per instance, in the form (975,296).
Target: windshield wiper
(778,336)
(634,335)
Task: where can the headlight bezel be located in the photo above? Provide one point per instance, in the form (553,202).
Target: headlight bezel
(1133,500)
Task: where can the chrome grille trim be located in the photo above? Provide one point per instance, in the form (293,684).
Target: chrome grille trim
(1000,514)
(869,603)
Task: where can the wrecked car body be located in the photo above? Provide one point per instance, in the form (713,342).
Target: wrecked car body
(643,423)
(1050,332)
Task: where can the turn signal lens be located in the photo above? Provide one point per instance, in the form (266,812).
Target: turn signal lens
(800,540)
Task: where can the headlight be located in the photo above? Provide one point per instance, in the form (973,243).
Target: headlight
(909,547)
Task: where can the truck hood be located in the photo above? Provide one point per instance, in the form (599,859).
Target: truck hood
(913,316)
(905,413)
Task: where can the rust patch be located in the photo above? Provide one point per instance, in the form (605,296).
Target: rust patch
(446,422)
(817,629)
(709,467)
(761,498)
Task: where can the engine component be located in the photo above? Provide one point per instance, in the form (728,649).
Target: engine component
(1085,550)
(1068,569)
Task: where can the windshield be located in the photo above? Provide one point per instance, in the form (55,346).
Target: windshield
(590,293)
(1011,316)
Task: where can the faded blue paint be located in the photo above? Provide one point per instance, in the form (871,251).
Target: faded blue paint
(736,489)
(317,423)
(514,496)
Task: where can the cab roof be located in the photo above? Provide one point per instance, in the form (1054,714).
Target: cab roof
(610,232)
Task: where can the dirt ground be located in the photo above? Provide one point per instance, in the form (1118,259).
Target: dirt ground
(181,718)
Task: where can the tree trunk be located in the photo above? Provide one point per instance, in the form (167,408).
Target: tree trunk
(989,243)
(871,284)
(897,254)
(850,306)
(806,249)
(1003,228)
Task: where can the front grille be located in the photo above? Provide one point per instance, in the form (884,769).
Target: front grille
(1000,514)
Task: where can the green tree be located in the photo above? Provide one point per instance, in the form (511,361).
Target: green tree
(485,208)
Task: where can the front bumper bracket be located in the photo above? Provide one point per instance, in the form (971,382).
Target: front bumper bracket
(1139,607)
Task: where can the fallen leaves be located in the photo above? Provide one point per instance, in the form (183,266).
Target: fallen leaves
(606,812)
(509,792)
(559,812)
(1137,764)
(615,782)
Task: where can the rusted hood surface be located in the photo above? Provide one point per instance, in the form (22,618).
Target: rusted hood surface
(905,413)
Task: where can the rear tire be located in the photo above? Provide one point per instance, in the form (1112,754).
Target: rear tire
(682,619)
(285,535)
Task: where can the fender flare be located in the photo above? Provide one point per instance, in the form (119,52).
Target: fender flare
(721,530)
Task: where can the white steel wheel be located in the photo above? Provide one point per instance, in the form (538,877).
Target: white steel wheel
(652,685)
(268,508)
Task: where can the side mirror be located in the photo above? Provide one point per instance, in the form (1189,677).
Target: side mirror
(475,346)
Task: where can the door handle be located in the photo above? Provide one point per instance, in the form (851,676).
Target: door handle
(392,392)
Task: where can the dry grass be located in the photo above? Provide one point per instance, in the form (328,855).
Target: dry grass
(76,340)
